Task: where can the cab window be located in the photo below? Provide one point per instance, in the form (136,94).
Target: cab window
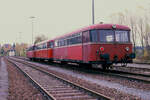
(106,36)
(93,36)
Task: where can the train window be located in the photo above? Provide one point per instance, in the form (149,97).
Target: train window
(106,35)
(78,39)
(34,47)
(44,46)
(73,39)
(38,47)
(65,42)
(93,36)
(62,42)
(56,43)
(51,45)
(122,36)
(86,37)
(29,49)
(70,41)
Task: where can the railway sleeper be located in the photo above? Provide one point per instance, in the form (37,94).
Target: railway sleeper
(66,91)
(68,94)
(82,97)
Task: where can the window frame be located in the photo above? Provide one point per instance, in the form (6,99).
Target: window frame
(114,40)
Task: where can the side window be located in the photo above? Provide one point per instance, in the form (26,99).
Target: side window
(79,38)
(44,46)
(65,42)
(86,37)
(51,44)
(93,36)
(56,43)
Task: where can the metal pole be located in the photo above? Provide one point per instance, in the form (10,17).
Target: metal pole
(93,12)
(32,19)
(32,31)
(20,33)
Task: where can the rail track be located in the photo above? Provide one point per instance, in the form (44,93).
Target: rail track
(128,75)
(57,88)
(116,73)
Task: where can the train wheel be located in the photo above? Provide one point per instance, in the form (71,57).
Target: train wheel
(85,65)
(106,66)
(95,66)
(50,61)
(124,63)
(63,62)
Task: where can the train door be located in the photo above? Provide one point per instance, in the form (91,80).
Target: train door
(85,46)
(65,49)
(50,49)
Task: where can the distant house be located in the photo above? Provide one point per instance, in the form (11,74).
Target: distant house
(11,52)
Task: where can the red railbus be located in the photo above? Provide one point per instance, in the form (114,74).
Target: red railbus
(103,44)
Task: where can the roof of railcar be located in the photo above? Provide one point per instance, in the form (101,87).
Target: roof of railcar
(42,42)
(96,26)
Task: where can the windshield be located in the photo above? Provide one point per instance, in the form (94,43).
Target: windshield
(106,35)
(109,36)
(122,36)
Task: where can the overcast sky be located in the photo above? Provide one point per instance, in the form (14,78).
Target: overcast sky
(55,17)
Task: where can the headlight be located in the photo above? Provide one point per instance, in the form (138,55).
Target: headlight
(127,48)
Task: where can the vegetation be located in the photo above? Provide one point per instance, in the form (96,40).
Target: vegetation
(40,38)
(140,29)
(19,49)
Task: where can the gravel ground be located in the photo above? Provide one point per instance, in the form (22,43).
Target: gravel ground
(49,82)
(118,88)
(87,81)
(3,80)
(133,70)
(138,65)
(19,86)
(92,84)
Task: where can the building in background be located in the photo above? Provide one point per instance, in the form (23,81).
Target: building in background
(11,52)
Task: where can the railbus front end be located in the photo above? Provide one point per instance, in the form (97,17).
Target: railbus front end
(107,45)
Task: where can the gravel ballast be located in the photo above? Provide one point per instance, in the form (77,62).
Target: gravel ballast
(89,82)
(3,80)
(19,86)
(120,89)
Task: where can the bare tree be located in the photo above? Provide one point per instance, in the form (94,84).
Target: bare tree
(20,49)
(141,31)
(133,26)
(147,32)
(118,18)
(40,38)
